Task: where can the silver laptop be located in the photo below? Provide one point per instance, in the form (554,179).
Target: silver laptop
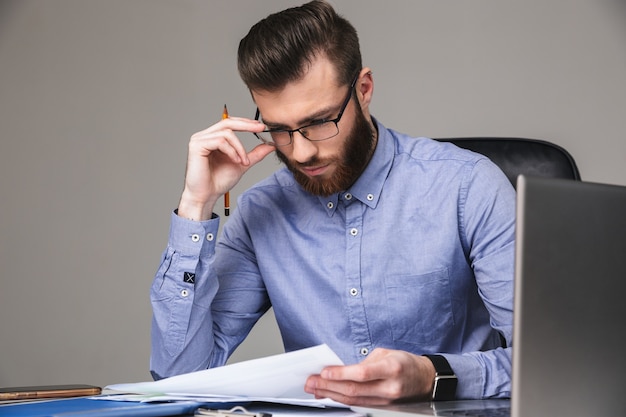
(569,355)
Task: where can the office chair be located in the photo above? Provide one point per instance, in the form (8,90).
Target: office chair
(517,156)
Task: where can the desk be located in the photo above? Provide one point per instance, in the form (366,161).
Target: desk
(77,407)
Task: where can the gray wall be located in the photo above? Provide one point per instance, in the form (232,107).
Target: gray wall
(98,100)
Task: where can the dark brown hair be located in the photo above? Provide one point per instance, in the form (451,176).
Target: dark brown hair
(278,49)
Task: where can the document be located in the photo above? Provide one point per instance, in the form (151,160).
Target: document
(278,378)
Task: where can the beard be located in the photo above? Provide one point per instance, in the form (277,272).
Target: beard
(350,162)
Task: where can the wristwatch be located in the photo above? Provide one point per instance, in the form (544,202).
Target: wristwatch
(445,379)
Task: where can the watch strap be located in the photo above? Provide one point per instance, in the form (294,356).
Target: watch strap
(442,367)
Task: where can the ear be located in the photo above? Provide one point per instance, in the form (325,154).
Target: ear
(365,88)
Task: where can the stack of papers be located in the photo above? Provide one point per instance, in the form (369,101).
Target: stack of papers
(277,379)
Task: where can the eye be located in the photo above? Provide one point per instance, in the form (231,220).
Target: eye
(319,122)
(316,124)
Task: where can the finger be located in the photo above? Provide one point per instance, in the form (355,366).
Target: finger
(351,393)
(234,148)
(385,389)
(352,401)
(361,372)
(225,141)
(228,126)
(240,124)
(243,119)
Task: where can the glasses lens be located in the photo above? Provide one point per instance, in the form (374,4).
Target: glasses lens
(320,131)
(278,138)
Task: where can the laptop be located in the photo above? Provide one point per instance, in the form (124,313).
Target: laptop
(570,311)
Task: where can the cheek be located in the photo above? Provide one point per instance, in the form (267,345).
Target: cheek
(332,149)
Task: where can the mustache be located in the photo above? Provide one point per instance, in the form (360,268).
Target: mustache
(313,162)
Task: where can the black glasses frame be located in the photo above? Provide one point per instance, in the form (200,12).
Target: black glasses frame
(301,128)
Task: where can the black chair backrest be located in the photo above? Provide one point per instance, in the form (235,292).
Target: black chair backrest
(515,156)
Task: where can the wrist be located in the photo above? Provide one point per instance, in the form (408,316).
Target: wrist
(193,209)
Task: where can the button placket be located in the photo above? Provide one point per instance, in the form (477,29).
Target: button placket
(360,332)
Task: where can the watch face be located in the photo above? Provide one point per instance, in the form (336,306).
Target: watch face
(445,388)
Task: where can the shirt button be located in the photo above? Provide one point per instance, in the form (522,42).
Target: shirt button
(348,196)
(354,231)
(195,237)
(364,351)
(370,197)
(354,292)
(184,293)
(330,204)
(209,236)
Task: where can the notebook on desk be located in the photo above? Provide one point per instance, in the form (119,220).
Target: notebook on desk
(87,407)
(569,331)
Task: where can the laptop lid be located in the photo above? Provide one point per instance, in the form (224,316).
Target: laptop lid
(569,329)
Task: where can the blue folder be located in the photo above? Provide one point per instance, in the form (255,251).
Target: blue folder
(76,407)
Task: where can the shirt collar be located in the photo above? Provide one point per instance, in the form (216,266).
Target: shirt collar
(368,187)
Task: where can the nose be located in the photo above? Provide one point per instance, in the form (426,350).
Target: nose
(302,149)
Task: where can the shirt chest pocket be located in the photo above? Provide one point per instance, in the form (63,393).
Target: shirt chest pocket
(419,307)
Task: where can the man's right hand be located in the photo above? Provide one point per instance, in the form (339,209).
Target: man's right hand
(215,163)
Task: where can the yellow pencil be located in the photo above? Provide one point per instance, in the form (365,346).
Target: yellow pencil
(227,195)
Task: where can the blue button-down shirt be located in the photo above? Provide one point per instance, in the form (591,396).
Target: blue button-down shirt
(417,255)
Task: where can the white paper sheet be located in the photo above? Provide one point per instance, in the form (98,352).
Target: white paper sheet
(221,402)
(272,377)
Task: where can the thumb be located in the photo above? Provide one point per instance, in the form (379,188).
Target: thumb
(259,153)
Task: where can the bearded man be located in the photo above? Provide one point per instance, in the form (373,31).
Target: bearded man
(395,251)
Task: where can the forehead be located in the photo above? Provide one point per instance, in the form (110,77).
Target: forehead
(316,91)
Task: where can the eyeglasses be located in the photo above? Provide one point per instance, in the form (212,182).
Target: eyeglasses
(315,132)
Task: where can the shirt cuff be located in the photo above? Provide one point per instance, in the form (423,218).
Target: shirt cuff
(193,237)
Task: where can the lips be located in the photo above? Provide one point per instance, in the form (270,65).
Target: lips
(314,171)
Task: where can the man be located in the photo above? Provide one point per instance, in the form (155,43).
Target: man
(385,247)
